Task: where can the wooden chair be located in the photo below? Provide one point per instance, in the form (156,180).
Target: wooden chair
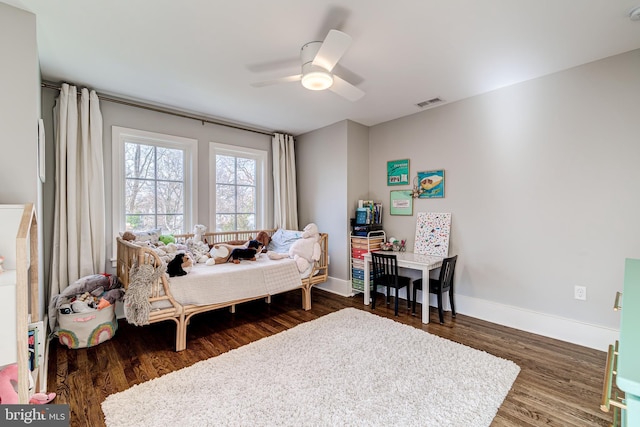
(439,286)
(385,273)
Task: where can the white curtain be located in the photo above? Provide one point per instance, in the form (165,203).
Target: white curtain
(79,217)
(285,199)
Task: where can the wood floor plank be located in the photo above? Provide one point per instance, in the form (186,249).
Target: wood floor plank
(559,383)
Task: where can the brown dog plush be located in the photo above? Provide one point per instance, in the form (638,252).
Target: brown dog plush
(263,238)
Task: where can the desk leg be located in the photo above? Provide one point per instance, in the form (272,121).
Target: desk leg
(425,295)
(367,285)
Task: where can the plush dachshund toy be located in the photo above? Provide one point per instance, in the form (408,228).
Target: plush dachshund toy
(249,252)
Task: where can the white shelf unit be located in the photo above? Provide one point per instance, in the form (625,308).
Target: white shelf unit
(360,245)
(18,290)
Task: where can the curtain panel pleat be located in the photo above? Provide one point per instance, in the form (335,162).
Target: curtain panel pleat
(79,207)
(285,199)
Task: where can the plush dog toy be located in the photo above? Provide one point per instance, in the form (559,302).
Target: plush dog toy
(249,252)
(263,238)
(179,265)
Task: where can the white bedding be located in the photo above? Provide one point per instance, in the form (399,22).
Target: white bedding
(228,282)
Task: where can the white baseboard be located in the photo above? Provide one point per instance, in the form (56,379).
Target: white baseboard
(573,331)
(336,286)
(561,328)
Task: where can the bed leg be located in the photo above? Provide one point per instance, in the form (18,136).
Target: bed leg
(268,299)
(181,334)
(306,298)
(232,309)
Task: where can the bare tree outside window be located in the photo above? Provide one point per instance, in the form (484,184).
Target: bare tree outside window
(154,187)
(235,193)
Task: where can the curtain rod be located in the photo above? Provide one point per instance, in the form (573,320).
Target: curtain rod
(53,86)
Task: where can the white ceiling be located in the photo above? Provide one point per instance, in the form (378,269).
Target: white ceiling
(201,56)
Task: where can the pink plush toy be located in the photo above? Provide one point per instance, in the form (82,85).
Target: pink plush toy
(8,394)
(9,377)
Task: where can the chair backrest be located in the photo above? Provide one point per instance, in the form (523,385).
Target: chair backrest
(446,272)
(385,268)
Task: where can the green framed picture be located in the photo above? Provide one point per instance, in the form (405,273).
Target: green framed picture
(401,202)
(398,172)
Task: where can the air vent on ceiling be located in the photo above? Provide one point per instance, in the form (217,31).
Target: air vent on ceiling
(429,102)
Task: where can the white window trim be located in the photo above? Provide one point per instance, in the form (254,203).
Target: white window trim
(260,156)
(118,137)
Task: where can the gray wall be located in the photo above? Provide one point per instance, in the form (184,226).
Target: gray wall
(19,114)
(333,169)
(321,163)
(542,182)
(19,106)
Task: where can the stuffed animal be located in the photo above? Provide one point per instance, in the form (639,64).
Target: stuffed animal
(303,251)
(263,238)
(179,265)
(250,252)
(8,394)
(167,238)
(8,377)
(198,231)
(128,236)
(220,253)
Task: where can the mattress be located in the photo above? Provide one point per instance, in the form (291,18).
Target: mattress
(223,283)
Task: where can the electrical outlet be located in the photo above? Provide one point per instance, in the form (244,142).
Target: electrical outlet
(580,292)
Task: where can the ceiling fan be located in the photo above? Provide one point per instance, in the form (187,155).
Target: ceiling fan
(318,60)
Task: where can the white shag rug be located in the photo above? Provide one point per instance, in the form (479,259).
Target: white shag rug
(348,368)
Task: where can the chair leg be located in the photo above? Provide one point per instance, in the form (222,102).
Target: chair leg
(373,297)
(453,307)
(388,295)
(440,308)
(408,297)
(396,303)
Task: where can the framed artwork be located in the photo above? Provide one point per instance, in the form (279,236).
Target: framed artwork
(398,172)
(401,202)
(432,234)
(431,184)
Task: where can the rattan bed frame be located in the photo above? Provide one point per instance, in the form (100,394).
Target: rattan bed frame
(128,252)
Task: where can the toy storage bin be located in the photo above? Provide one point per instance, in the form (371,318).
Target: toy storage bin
(79,330)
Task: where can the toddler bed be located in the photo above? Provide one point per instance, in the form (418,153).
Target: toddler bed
(209,287)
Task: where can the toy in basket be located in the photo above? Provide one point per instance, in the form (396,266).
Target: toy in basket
(86,311)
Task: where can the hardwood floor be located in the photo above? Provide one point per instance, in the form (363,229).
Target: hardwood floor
(560,384)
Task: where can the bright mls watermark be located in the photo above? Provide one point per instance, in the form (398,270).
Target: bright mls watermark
(34,415)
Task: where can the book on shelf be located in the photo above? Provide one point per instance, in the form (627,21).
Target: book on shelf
(368,212)
(36,343)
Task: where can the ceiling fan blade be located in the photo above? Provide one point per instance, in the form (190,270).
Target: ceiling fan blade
(346,89)
(287,79)
(333,47)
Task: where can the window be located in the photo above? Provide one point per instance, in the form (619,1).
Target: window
(238,182)
(154,181)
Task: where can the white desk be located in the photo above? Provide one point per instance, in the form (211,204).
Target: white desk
(420,262)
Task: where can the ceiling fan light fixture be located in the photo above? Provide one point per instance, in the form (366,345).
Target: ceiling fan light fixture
(317,80)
